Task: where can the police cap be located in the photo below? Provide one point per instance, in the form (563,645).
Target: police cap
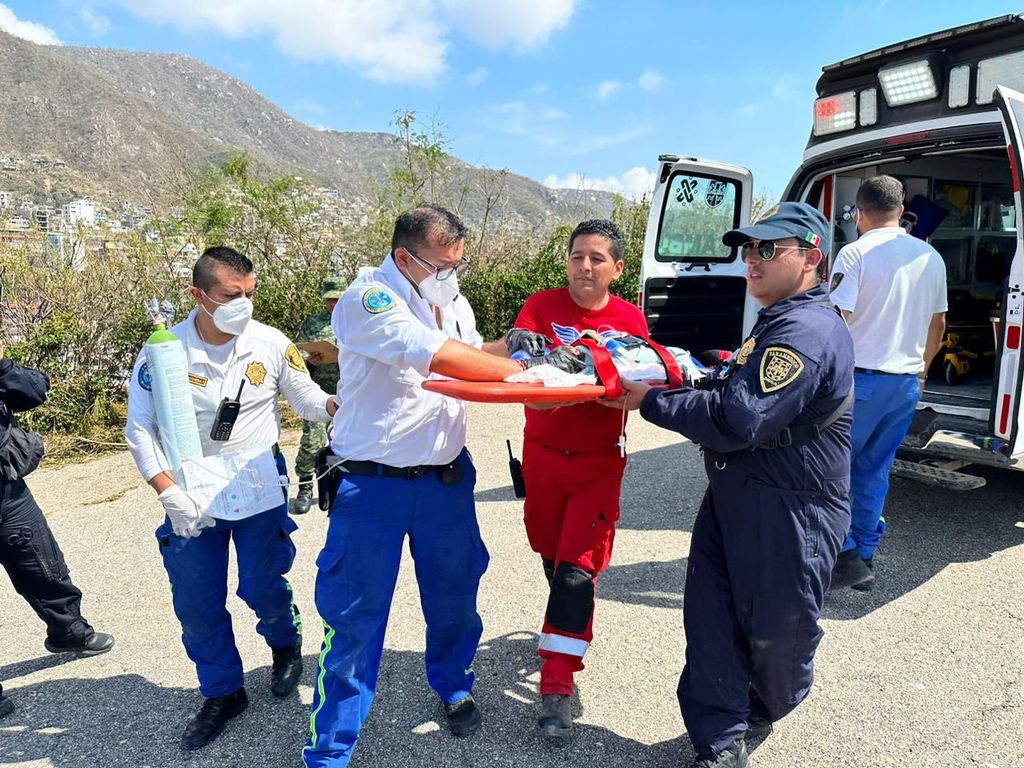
(799,220)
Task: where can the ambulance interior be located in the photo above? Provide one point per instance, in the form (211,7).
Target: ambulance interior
(964,207)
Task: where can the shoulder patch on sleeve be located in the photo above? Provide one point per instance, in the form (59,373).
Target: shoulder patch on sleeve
(145,380)
(294,358)
(837,278)
(780,367)
(377,300)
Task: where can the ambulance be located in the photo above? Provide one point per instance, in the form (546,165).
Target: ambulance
(944,113)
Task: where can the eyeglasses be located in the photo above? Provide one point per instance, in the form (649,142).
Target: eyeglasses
(442,273)
(766,249)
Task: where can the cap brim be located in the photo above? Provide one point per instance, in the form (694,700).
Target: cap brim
(737,237)
(333,294)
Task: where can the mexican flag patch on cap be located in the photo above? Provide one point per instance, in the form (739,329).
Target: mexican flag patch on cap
(813,239)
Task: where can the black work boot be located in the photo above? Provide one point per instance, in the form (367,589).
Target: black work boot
(287,669)
(850,570)
(733,756)
(6,705)
(555,720)
(463,716)
(92,645)
(212,717)
(304,498)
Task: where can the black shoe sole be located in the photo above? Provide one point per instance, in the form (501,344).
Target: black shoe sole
(556,733)
(283,694)
(78,651)
(6,707)
(864,586)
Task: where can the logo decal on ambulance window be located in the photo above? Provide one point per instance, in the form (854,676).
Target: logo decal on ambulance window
(715,194)
(780,367)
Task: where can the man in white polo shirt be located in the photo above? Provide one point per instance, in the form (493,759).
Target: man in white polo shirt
(891,288)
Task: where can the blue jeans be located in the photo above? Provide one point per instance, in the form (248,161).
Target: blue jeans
(882,413)
(358,568)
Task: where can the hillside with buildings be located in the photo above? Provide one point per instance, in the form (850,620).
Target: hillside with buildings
(104,136)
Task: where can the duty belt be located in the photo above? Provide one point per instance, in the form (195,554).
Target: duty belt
(376,468)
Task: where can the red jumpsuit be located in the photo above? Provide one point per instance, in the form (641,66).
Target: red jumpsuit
(573,472)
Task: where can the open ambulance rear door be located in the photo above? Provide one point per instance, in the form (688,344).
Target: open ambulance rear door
(1007,415)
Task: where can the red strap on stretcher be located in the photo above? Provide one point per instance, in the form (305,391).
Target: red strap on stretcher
(676,379)
(606,371)
(608,374)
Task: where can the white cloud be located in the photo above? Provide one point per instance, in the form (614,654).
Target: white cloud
(517,24)
(98,24)
(607,89)
(651,80)
(583,146)
(782,86)
(477,76)
(27,30)
(633,184)
(520,118)
(400,41)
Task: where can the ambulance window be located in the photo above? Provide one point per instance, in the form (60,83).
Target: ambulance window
(698,211)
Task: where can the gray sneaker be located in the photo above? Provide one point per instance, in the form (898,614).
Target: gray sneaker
(555,721)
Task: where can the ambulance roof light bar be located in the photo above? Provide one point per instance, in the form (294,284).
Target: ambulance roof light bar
(908,83)
(945,34)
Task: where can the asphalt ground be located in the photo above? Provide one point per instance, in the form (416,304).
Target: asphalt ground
(924,671)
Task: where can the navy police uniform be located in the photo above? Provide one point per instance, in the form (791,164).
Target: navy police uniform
(28,550)
(773,517)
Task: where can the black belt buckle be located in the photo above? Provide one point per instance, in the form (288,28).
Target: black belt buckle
(415,473)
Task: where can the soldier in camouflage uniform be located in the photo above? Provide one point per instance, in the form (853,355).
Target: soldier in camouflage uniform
(316,327)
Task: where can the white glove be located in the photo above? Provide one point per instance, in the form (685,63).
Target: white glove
(183,511)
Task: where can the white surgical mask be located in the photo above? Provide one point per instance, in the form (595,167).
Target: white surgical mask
(231,317)
(440,293)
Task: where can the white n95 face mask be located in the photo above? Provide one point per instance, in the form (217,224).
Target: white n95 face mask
(440,293)
(233,316)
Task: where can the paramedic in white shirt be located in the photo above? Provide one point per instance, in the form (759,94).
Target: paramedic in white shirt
(406,473)
(891,288)
(229,355)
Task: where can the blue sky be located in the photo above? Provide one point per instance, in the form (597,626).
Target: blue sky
(568,92)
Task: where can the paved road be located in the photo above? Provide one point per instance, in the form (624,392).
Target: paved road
(926,671)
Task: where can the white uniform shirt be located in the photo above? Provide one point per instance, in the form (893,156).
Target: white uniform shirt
(893,283)
(387,336)
(261,356)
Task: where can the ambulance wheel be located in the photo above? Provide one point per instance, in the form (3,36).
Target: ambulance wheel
(952,375)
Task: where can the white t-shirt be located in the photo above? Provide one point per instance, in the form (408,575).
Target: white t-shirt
(893,283)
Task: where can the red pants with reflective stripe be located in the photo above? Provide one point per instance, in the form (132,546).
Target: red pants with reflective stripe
(572,505)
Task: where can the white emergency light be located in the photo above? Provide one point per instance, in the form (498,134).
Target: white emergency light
(959,86)
(908,83)
(1005,70)
(835,113)
(868,106)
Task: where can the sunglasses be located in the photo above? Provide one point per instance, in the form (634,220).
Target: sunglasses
(767,249)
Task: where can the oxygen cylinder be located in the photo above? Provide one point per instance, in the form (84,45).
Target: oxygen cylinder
(172,398)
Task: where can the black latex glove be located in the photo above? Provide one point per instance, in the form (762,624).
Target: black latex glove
(563,358)
(521,340)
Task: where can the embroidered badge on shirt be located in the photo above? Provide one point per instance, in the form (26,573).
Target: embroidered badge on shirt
(294,358)
(145,380)
(377,300)
(780,367)
(197,380)
(745,350)
(256,373)
(837,278)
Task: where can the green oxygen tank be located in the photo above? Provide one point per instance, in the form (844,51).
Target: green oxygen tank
(172,394)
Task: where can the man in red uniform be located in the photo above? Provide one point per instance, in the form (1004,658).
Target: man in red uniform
(572,463)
